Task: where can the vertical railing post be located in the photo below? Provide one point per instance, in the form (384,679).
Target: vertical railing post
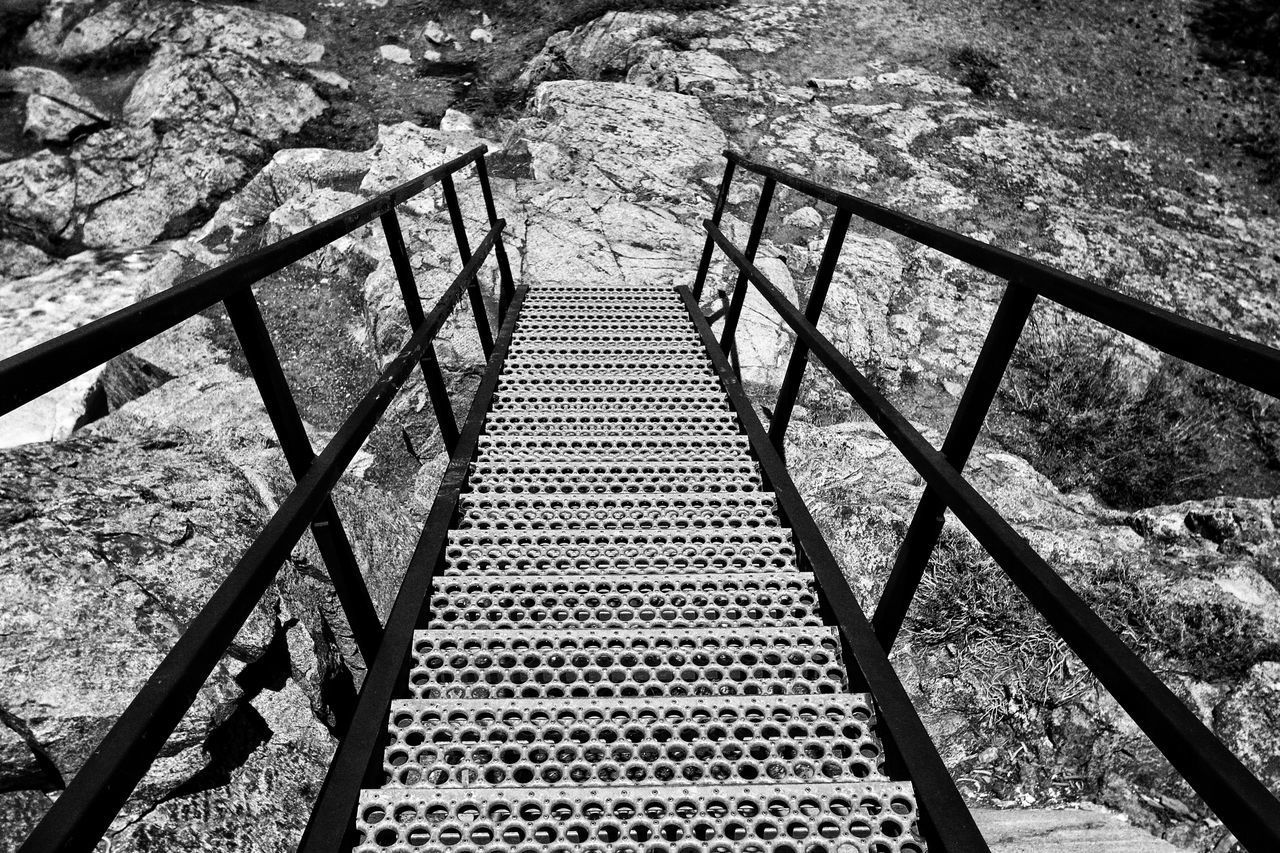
(926,526)
(705,263)
(740,287)
(800,353)
(437,390)
(326,528)
(506,284)
(464,251)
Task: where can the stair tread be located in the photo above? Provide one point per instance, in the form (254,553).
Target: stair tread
(661,740)
(612,601)
(566,663)
(846,817)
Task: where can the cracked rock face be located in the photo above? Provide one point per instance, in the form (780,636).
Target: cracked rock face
(150,538)
(618,137)
(214,98)
(150,522)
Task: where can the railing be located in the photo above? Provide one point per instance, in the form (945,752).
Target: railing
(84,811)
(1239,799)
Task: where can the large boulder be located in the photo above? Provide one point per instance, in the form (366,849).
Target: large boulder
(215,97)
(110,548)
(621,138)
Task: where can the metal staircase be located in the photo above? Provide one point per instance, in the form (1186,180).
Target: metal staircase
(621,629)
(621,652)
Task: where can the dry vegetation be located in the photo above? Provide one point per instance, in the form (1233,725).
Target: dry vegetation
(1082,417)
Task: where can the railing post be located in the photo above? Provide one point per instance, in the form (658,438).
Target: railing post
(326,527)
(436,387)
(464,250)
(800,353)
(926,526)
(740,287)
(705,264)
(506,285)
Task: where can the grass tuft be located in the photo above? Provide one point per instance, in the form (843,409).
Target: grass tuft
(1081,417)
(977,68)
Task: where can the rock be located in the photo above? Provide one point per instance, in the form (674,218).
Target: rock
(456,121)
(689,72)
(1249,722)
(137,185)
(60,298)
(480,34)
(764,341)
(55,111)
(435,33)
(1064,831)
(329,78)
(803,217)
(405,150)
(396,53)
(288,752)
(37,195)
(19,260)
(620,137)
(150,527)
(823,84)
(291,173)
(608,47)
(1206,626)
(127,27)
(178,88)
(605,48)
(210,104)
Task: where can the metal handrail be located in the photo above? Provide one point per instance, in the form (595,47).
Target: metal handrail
(358,760)
(906,740)
(1238,798)
(85,810)
(1224,353)
(30,373)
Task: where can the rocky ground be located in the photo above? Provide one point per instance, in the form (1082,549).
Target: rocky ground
(149,140)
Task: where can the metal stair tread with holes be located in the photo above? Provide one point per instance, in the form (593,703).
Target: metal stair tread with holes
(562,552)
(621,651)
(612,601)
(467,743)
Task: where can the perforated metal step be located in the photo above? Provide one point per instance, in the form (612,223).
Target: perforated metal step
(469,743)
(486,553)
(530,399)
(866,817)
(616,424)
(670,449)
(629,662)
(603,479)
(613,601)
(625,511)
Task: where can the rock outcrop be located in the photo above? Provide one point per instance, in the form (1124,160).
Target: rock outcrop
(606,175)
(1018,717)
(215,96)
(110,546)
